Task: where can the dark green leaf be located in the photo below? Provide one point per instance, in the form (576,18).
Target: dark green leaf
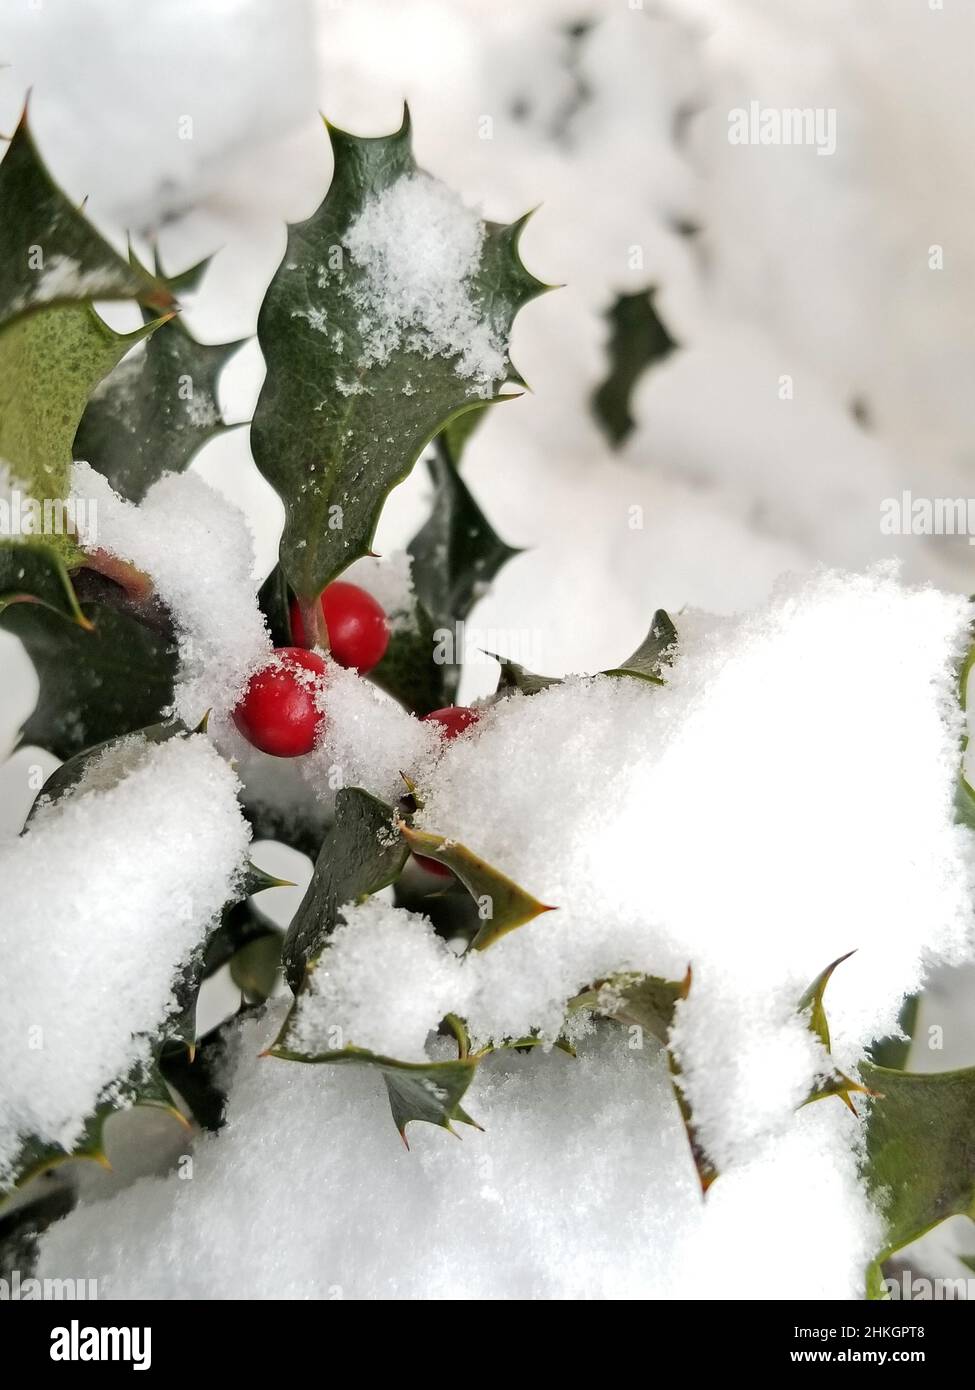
(502,904)
(153,413)
(654,654)
(644,1000)
(427,1091)
(515,677)
(920,1162)
(49,252)
(409,672)
(273,600)
(323,449)
(362,853)
(145,1086)
(637,339)
(70,773)
(94,685)
(31,572)
(457,553)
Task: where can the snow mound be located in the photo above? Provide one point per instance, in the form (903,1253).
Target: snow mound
(105,895)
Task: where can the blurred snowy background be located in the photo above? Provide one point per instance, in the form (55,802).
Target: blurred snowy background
(768,262)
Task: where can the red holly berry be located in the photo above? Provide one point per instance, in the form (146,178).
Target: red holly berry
(358,632)
(277,712)
(453,719)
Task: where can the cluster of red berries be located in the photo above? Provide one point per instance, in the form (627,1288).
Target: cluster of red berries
(278,711)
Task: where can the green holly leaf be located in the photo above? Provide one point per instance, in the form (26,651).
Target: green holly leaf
(362,853)
(32,572)
(273,600)
(457,553)
(644,1001)
(66,777)
(95,685)
(654,654)
(502,904)
(155,411)
(920,1149)
(50,362)
(812,1001)
(331,435)
(49,252)
(199,1074)
(834,1082)
(515,677)
(423,1091)
(408,670)
(145,1086)
(637,339)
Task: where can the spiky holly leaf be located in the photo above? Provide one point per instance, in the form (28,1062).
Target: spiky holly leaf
(833,1082)
(199,1074)
(155,410)
(32,572)
(502,904)
(457,553)
(64,778)
(145,1086)
(362,853)
(418,1091)
(94,685)
(515,677)
(654,654)
(920,1158)
(273,600)
(812,1001)
(50,362)
(646,1001)
(336,429)
(637,339)
(49,252)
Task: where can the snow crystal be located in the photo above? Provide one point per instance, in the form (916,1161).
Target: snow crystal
(197,549)
(104,897)
(369,739)
(384,983)
(389,579)
(419,250)
(580,1187)
(806,756)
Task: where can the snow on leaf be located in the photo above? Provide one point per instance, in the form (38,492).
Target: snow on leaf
(388,318)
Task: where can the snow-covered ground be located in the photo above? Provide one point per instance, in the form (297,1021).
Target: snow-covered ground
(823,304)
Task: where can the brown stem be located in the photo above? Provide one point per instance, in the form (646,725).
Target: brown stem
(313,622)
(137,586)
